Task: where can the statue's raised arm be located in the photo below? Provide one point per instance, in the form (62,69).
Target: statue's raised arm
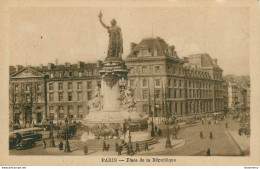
(100,19)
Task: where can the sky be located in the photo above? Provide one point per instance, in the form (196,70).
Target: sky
(40,35)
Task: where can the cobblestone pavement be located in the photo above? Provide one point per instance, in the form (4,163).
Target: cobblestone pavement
(188,143)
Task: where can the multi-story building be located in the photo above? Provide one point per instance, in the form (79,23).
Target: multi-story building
(165,85)
(179,87)
(56,91)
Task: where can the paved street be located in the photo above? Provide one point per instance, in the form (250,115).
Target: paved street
(222,143)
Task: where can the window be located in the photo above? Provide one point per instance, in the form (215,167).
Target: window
(16,87)
(79,85)
(157,82)
(89,85)
(89,95)
(80,112)
(169,82)
(51,86)
(70,96)
(27,87)
(60,86)
(60,96)
(16,99)
(51,97)
(38,87)
(79,96)
(61,112)
(143,70)
(157,69)
(61,74)
(174,82)
(70,110)
(70,86)
(52,75)
(39,97)
(51,111)
(180,93)
(145,94)
(180,83)
(80,74)
(144,82)
(157,93)
(70,74)
(169,93)
(175,93)
(27,97)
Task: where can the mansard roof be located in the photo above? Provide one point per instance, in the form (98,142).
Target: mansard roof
(151,44)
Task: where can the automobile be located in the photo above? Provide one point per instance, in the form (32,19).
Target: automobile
(25,144)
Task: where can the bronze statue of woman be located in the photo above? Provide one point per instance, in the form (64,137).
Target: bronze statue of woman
(115,44)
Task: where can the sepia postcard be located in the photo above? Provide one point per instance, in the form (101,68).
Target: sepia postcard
(89,83)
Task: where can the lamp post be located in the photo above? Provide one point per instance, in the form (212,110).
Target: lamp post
(52,142)
(168,140)
(67,144)
(129,141)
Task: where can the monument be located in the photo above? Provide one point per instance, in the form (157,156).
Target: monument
(112,107)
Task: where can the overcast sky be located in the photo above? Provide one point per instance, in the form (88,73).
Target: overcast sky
(74,34)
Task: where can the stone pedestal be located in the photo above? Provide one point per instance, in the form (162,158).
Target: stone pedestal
(114,74)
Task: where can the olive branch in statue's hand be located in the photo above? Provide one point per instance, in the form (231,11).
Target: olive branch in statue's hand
(100,15)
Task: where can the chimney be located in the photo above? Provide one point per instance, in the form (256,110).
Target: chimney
(132,45)
(50,66)
(186,59)
(215,61)
(67,64)
(99,62)
(18,67)
(80,64)
(41,66)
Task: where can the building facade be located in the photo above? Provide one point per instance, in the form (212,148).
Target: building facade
(165,86)
(176,87)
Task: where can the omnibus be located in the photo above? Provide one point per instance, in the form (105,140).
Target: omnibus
(17,136)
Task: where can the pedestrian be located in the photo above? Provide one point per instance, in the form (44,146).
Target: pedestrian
(104,145)
(201,134)
(137,146)
(119,149)
(44,144)
(128,150)
(226,125)
(61,145)
(210,135)
(155,129)
(208,152)
(131,148)
(209,122)
(116,147)
(85,149)
(146,146)
(159,132)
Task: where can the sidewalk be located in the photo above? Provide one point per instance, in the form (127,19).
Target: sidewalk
(243,142)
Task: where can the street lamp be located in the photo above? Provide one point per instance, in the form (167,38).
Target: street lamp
(130,142)
(52,142)
(168,140)
(67,144)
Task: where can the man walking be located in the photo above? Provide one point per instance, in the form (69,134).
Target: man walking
(61,145)
(226,125)
(137,146)
(85,149)
(146,146)
(208,152)
(201,134)
(44,144)
(210,135)
(104,146)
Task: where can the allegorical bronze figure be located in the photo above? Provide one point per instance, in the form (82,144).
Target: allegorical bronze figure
(115,45)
